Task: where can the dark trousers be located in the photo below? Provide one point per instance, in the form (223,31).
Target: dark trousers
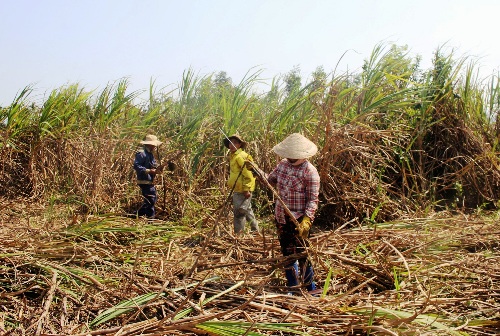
(149,196)
(290,244)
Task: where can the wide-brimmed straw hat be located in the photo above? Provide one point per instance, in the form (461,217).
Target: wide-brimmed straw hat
(151,139)
(295,146)
(237,137)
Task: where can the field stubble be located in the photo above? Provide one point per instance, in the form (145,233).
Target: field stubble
(110,275)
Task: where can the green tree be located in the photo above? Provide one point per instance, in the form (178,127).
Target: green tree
(292,80)
(316,87)
(222,80)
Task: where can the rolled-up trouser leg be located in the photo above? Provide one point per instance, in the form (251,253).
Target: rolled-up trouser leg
(307,274)
(242,210)
(250,217)
(292,274)
(239,224)
(309,278)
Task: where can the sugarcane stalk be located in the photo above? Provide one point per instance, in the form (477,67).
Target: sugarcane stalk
(162,179)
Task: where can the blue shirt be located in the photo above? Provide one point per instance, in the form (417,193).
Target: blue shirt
(144,160)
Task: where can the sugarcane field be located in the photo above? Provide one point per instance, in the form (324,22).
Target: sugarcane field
(404,239)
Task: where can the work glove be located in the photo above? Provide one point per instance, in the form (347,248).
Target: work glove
(303,227)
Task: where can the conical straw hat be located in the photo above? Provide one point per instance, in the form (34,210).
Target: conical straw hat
(295,146)
(151,140)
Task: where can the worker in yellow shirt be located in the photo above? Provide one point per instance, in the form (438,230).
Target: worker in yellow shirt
(243,182)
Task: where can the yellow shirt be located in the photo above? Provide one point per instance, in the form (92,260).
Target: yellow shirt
(244,181)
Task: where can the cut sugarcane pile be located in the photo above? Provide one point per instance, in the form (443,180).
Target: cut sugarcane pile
(110,275)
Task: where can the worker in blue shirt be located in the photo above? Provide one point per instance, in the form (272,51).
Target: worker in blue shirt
(146,168)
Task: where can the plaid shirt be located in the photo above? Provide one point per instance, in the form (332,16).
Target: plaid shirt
(298,187)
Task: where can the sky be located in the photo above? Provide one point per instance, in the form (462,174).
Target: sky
(48,44)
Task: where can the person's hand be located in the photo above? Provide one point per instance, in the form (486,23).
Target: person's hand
(303,227)
(247,194)
(249,165)
(151,171)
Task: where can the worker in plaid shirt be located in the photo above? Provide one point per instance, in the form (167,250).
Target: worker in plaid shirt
(297,182)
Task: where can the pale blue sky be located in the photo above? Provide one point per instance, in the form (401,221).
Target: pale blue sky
(50,43)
